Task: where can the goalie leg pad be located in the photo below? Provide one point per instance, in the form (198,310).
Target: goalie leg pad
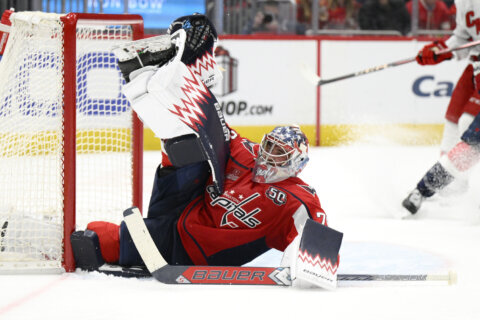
(86,250)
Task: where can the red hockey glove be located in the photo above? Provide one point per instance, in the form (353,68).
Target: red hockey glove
(428,55)
(4,35)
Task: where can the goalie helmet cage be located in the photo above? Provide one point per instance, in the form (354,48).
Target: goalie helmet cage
(71,147)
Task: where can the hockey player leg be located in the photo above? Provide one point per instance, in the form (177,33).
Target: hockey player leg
(450,137)
(173,189)
(466,153)
(313,256)
(436,178)
(198,54)
(174,102)
(455,164)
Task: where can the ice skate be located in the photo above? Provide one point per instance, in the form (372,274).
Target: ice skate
(86,250)
(413,202)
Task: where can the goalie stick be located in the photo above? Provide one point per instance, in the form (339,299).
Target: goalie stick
(319,81)
(232,275)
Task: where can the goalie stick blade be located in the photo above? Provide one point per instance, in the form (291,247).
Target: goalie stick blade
(170,274)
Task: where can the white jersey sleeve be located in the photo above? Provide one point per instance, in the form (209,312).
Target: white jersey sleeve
(467,27)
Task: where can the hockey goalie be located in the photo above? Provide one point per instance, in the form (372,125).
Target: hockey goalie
(218,199)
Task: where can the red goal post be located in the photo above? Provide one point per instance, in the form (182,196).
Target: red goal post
(71,148)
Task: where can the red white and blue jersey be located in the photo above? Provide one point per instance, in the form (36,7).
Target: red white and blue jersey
(248,218)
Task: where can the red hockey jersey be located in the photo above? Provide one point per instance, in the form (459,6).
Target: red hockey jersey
(248,218)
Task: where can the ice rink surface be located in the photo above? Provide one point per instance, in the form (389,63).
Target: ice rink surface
(361,188)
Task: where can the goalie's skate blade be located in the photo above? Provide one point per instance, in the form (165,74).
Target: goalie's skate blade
(118,271)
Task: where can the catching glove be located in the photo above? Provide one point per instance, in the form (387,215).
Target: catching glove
(428,55)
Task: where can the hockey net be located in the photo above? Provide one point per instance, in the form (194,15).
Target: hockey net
(70,145)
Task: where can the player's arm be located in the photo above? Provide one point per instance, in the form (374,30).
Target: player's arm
(429,53)
(460,35)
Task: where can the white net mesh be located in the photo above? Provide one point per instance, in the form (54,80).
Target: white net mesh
(104,122)
(31,136)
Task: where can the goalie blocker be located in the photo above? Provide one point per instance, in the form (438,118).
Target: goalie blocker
(313,256)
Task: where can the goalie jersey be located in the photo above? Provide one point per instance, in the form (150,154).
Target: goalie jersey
(248,218)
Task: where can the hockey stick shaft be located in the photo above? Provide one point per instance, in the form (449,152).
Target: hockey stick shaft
(170,274)
(233,275)
(392,64)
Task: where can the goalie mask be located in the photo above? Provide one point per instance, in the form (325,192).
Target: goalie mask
(283,154)
(199,51)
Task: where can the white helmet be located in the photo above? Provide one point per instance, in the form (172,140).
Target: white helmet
(283,154)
